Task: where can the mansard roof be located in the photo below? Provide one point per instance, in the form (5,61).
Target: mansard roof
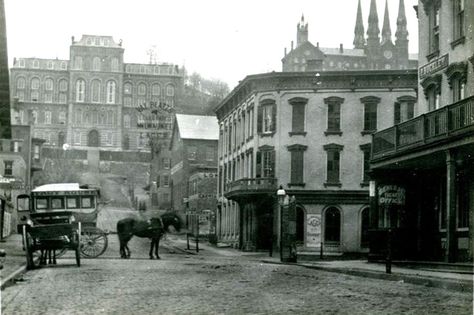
(97,40)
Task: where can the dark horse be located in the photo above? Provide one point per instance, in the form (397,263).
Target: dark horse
(153,228)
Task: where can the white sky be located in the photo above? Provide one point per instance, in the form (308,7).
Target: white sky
(219,39)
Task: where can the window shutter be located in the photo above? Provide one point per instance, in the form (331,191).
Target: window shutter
(274,110)
(158,181)
(272,164)
(260,119)
(258,171)
(397,113)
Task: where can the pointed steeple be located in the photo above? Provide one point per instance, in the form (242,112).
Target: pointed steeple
(373,30)
(301,32)
(359,39)
(402,32)
(386,30)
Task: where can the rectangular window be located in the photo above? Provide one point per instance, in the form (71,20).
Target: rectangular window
(297,167)
(72,202)
(41,203)
(266,163)
(192,153)
(48,97)
(57,203)
(267,118)
(370,117)
(34,96)
(458,16)
(298,118)
(333,157)
(36,152)
(62,98)
(334,117)
(166,163)
(403,111)
(434,29)
(8,168)
(62,117)
(87,202)
(166,180)
(47,117)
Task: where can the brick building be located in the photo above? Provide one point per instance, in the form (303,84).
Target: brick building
(193,165)
(423,168)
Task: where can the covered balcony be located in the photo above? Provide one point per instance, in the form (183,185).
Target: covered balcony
(250,187)
(445,125)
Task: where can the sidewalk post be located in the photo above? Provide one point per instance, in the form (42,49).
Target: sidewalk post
(388,260)
(321,251)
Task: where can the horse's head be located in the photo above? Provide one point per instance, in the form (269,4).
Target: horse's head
(172,219)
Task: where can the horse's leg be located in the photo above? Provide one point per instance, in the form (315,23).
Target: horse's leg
(50,260)
(152,245)
(54,257)
(157,247)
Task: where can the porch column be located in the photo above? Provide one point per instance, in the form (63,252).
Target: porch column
(451,241)
(373,213)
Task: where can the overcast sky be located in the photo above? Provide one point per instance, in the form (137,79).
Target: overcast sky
(219,39)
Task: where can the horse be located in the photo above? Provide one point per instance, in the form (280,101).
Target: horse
(153,228)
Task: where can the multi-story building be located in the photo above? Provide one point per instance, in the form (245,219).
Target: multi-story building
(310,134)
(371,53)
(193,149)
(5,131)
(423,168)
(94,99)
(326,104)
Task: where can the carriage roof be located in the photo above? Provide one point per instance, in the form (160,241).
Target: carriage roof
(63,187)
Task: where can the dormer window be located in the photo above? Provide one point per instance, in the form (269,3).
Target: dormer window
(35,64)
(22,63)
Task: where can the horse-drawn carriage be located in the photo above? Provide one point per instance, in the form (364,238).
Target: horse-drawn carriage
(60,217)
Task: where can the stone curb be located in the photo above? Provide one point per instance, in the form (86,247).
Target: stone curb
(455,285)
(9,280)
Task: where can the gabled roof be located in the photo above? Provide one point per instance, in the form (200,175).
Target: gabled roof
(197,127)
(314,52)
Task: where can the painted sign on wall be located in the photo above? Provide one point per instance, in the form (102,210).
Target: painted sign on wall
(313,230)
(391,195)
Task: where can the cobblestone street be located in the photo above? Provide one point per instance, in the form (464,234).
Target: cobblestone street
(210,283)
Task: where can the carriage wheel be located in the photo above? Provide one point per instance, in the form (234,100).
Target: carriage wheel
(32,256)
(94,242)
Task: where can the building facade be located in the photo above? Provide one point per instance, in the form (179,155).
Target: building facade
(94,99)
(193,163)
(5,131)
(376,51)
(423,168)
(311,135)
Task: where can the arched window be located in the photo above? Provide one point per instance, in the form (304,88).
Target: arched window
(127,88)
(95,89)
(35,83)
(332,225)
(78,116)
(102,118)
(156,89)
(48,84)
(364,227)
(78,63)
(111,92)
(80,90)
(20,83)
(96,64)
(170,90)
(141,89)
(114,64)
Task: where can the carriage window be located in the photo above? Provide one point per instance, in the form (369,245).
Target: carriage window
(72,202)
(41,203)
(87,202)
(57,203)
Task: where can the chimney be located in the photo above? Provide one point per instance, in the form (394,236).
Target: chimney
(341,49)
(317,44)
(285,52)
(291,45)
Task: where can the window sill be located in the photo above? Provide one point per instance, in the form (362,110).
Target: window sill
(267,134)
(296,184)
(297,133)
(459,41)
(367,132)
(333,184)
(364,184)
(333,133)
(432,55)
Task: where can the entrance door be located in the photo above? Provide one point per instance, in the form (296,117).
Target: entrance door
(300,225)
(93,138)
(332,226)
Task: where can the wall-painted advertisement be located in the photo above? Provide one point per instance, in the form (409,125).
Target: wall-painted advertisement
(313,230)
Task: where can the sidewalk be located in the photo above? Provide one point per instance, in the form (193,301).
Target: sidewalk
(421,276)
(15,260)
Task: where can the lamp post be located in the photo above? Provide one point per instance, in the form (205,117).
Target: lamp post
(281,193)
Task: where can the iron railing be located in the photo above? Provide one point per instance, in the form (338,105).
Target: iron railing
(427,128)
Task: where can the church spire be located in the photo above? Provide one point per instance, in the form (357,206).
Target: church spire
(386,31)
(402,32)
(373,30)
(301,32)
(359,40)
